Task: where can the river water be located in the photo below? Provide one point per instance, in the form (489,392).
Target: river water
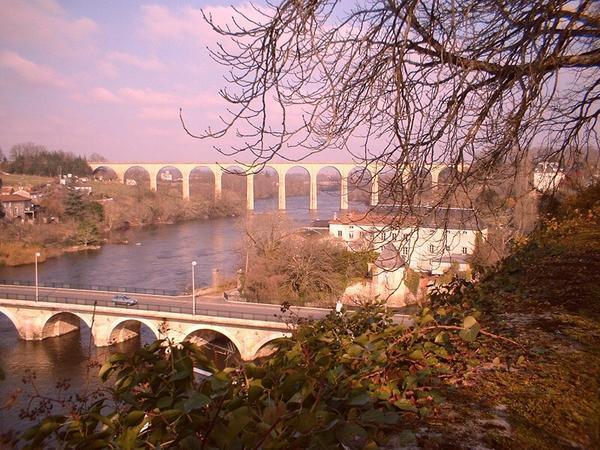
(161,260)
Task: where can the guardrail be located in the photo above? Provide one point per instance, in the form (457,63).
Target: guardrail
(93,287)
(200,310)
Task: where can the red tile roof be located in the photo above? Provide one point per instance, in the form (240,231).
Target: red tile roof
(13,198)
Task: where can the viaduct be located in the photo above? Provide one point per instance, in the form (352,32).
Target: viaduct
(345,170)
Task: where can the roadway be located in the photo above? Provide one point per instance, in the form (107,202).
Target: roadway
(206,305)
(214,305)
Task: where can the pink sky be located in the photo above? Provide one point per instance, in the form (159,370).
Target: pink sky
(110,77)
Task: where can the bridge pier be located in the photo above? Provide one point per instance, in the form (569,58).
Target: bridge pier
(375,190)
(153,180)
(344,192)
(281,190)
(185,186)
(250,192)
(218,184)
(313,191)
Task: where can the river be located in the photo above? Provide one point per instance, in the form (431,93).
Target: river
(157,258)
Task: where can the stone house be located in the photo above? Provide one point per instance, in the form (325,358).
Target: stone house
(439,239)
(16,206)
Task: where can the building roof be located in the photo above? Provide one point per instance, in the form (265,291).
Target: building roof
(389,258)
(14,198)
(415,216)
(5,190)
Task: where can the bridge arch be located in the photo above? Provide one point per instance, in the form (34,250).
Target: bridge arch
(169,179)
(297,183)
(236,186)
(203,183)
(361,185)
(265,347)
(105,173)
(14,320)
(446,176)
(129,328)
(329,181)
(220,344)
(266,187)
(63,322)
(137,176)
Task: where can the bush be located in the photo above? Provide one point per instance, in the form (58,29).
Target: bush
(353,380)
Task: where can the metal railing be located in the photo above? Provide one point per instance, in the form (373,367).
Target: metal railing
(93,287)
(200,310)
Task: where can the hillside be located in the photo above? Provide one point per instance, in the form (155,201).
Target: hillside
(545,296)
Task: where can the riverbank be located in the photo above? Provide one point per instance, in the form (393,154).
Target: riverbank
(99,218)
(20,242)
(13,254)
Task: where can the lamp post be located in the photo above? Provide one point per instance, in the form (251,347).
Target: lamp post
(194,288)
(37,288)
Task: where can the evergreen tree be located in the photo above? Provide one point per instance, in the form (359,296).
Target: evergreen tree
(74,205)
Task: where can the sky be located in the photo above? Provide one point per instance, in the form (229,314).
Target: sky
(110,76)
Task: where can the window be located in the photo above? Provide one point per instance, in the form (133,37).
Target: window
(447,248)
(351,235)
(431,248)
(351,226)
(465,250)
(405,251)
(339,233)
(406,235)
(361,234)
(394,235)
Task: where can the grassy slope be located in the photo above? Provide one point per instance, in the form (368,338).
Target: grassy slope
(13,179)
(547,297)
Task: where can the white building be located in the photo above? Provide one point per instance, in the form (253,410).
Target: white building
(440,238)
(547,176)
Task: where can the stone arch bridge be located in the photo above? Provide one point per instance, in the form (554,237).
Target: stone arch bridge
(37,320)
(217,169)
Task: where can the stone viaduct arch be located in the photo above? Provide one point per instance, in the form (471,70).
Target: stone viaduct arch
(281,169)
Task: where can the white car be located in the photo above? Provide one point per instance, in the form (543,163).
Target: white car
(124,300)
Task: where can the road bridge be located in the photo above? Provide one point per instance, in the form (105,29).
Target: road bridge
(370,172)
(249,327)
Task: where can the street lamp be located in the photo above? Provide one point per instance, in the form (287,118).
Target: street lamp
(194,288)
(37,288)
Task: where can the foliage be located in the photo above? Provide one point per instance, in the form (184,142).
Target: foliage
(80,208)
(35,159)
(74,204)
(87,234)
(284,265)
(412,280)
(355,380)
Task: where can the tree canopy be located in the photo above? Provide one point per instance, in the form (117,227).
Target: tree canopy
(33,159)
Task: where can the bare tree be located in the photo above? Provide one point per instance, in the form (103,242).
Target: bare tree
(96,157)
(407,84)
